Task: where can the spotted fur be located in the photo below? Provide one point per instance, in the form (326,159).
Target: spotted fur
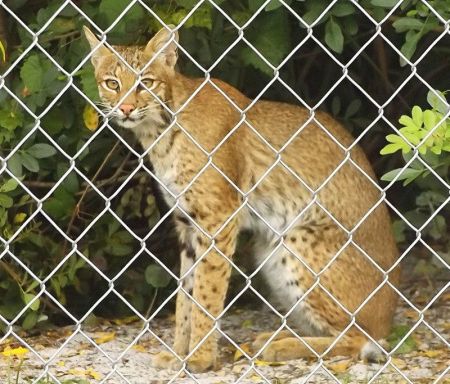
(299,197)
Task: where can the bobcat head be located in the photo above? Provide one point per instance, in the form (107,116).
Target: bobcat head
(127,85)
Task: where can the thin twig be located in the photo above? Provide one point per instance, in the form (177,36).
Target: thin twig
(152,303)
(78,205)
(10,271)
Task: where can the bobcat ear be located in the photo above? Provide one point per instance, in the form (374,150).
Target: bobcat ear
(98,49)
(169,53)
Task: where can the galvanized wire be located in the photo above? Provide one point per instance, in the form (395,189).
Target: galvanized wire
(241,38)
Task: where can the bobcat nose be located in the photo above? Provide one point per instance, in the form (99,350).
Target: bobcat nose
(127,108)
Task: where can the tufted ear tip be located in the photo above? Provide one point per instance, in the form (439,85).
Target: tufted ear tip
(90,37)
(160,40)
(98,49)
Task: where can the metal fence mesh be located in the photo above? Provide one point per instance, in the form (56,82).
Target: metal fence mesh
(44,282)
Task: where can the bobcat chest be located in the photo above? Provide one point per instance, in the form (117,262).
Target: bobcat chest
(163,156)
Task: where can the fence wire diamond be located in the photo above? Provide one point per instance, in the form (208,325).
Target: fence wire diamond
(112,361)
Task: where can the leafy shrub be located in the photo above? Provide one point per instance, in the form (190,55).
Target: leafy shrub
(428,131)
(51,219)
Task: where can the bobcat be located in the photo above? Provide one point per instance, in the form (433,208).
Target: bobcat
(301,185)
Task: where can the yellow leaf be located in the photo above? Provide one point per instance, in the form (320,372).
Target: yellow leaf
(19,218)
(139,348)
(90,117)
(247,323)
(239,352)
(104,337)
(61,363)
(340,366)
(125,320)
(2,51)
(8,351)
(77,372)
(399,363)
(432,353)
(256,379)
(262,363)
(95,375)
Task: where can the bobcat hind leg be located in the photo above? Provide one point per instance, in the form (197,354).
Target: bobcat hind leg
(291,348)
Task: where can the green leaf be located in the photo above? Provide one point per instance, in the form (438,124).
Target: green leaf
(398,332)
(111,9)
(437,101)
(29,162)
(399,228)
(437,149)
(30,320)
(273,45)
(9,186)
(333,36)
(118,249)
(413,138)
(396,139)
(15,165)
(429,119)
(350,25)
(427,198)
(335,105)
(417,116)
(406,24)
(274,4)
(201,18)
(437,227)
(353,108)
(384,3)
(157,276)
(6,201)
(3,217)
(403,174)
(61,25)
(407,122)
(61,205)
(89,84)
(10,119)
(410,45)
(314,11)
(343,9)
(389,149)
(253,5)
(41,150)
(2,51)
(28,297)
(70,183)
(32,73)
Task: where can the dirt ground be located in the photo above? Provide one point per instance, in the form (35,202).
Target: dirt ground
(123,351)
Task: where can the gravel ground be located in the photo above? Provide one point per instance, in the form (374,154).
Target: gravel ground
(425,357)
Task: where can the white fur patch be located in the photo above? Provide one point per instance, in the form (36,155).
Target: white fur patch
(371,352)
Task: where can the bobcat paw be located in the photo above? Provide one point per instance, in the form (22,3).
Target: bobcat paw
(195,364)
(262,339)
(166,360)
(278,351)
(199,363)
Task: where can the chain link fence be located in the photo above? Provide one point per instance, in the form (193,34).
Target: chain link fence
(71,243)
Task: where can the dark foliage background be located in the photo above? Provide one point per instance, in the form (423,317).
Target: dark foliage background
(73,199)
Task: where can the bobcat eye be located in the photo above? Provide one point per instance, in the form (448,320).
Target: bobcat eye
(146,83)
(112,84)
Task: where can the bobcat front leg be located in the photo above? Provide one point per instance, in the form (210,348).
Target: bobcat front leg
(211,280)
(167,359)
(208,285)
